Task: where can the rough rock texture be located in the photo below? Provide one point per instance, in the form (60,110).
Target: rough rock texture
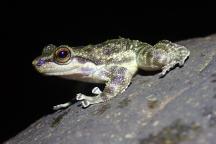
(179,108)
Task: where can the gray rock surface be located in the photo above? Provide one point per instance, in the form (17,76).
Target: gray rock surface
(179,108)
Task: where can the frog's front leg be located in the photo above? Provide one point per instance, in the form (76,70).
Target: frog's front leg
(116,85)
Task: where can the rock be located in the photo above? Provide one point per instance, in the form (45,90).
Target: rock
(179,108)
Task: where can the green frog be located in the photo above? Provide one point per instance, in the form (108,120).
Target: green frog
(113,62)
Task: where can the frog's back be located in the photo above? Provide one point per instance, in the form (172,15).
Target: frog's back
(113,51)
(120,45)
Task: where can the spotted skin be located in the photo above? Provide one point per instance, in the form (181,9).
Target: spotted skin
(113,62)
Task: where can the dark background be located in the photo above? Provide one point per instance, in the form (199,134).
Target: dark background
(27,96)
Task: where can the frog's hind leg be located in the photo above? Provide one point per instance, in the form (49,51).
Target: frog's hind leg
(164,56)
(174,54)
(155,58)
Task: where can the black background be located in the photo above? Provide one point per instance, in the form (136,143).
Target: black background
(27,96)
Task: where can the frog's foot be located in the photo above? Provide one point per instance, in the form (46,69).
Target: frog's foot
(184,56)
(181,63)
(88,100)
(166,69)
(164,72)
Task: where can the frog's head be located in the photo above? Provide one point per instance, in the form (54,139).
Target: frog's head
(62,61)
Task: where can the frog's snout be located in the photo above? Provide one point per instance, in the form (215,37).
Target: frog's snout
(33,62)
(38,62)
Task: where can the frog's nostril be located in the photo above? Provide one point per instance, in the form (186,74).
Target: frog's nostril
(40,62)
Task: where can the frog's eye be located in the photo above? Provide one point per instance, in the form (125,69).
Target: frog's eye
(62,55)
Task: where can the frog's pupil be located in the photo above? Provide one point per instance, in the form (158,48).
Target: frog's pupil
(63,54)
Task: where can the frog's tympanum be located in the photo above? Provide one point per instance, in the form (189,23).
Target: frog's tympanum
(113,62)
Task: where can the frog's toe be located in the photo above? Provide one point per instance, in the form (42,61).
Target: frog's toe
(164,71)
(80,96)
(181,63)
(88,100)
(60,106)
(85,103)
(96,90)
(162,74)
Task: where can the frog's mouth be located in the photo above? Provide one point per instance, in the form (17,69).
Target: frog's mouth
(72,71)
(53,69)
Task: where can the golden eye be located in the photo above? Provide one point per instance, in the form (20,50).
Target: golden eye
(62,55)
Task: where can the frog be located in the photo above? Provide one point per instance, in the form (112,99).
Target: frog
(112,62)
